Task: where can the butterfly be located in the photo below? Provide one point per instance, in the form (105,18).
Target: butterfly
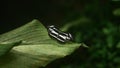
(59,35)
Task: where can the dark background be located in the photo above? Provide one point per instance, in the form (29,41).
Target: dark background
(14,13)
(101,33)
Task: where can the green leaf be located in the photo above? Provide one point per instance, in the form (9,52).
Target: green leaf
(4,48)
(36,50)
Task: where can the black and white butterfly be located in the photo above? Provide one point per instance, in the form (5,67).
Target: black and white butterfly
(59,35)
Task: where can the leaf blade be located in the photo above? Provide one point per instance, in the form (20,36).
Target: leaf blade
(37,48)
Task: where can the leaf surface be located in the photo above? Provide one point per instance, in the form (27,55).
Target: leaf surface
(36,50)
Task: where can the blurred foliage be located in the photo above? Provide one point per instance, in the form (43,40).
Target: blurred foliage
(117,12)
(97,25)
